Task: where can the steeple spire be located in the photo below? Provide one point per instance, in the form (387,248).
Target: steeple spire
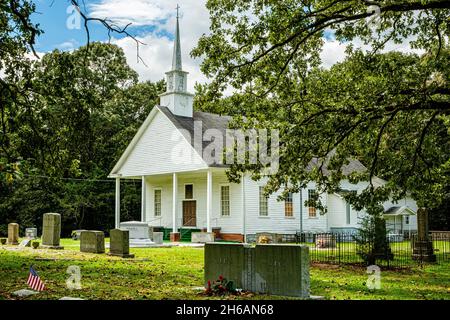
(176,98)
(176,59)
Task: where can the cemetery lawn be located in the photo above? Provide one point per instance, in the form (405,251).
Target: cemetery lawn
(176,273)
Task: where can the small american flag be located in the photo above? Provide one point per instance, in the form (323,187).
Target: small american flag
(34,281)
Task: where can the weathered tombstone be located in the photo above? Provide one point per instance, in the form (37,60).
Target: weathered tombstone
(24,293)
(13,233)
(158,237)
(268,237)
(51,231)
(282,270)
(227,260)
(139,234)
(326,240)
(202,237)
(422,244)
(92,241)
(31,233)
(271,269)
(119,243)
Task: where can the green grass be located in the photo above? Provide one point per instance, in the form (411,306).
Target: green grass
(173,273)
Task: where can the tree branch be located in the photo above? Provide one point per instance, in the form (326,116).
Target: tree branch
(110,27)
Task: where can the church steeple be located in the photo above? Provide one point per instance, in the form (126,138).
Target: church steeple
(176,59)
(176,97)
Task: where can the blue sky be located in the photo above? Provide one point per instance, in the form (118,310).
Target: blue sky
(53,15)
(153,23)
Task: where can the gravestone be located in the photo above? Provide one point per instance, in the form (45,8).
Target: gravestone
(268,237)
(269,269)
(139,234)
(202,237)
(282,270)
(24,293)
(158,237)
(119,243)
(422,244)
(51,231)
(31,233)
(13,234)
(92,241)
(227,260)
(325,240)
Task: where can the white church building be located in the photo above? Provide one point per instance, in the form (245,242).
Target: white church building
(180,194)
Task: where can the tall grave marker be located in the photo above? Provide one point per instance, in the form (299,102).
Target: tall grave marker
(51,231)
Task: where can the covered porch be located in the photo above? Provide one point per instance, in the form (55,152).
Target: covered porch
(194,200)
(398,220)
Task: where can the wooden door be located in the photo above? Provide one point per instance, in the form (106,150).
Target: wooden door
(189,213)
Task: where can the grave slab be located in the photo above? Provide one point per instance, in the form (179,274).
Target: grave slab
(24,293)
(92,241)
(51,231)
(13,234)
(119,244)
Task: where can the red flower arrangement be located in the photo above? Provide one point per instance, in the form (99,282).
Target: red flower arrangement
(220,287)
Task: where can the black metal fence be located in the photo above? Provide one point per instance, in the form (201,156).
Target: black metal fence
(396,251)
(351,248)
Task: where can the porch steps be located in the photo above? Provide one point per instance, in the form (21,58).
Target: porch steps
(185,233)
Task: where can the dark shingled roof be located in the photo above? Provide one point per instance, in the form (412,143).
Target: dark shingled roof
(220,123)
(354,165)
(392,210)
(208,121)
(399,210)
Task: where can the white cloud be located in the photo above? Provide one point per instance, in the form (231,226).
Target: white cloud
(194,22)
(70,45)
(157,53)
(333,51)
(28,55)
(137,12)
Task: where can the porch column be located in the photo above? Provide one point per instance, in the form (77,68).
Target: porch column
(208,200)
(143,199)
(117,206)
(174,203)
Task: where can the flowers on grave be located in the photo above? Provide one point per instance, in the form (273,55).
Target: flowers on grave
(264,239)
(35,244)
(220,287)
(320,243)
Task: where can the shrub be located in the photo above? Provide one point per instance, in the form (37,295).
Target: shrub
(371,240)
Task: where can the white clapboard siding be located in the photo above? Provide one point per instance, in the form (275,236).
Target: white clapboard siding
(161,148)
(276,221)
(165,185)
(234,222)
(318,223)
(410,203)
(337,213)
(412,219)
(231,224)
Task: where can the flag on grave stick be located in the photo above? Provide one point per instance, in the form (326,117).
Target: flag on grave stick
(34,281)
